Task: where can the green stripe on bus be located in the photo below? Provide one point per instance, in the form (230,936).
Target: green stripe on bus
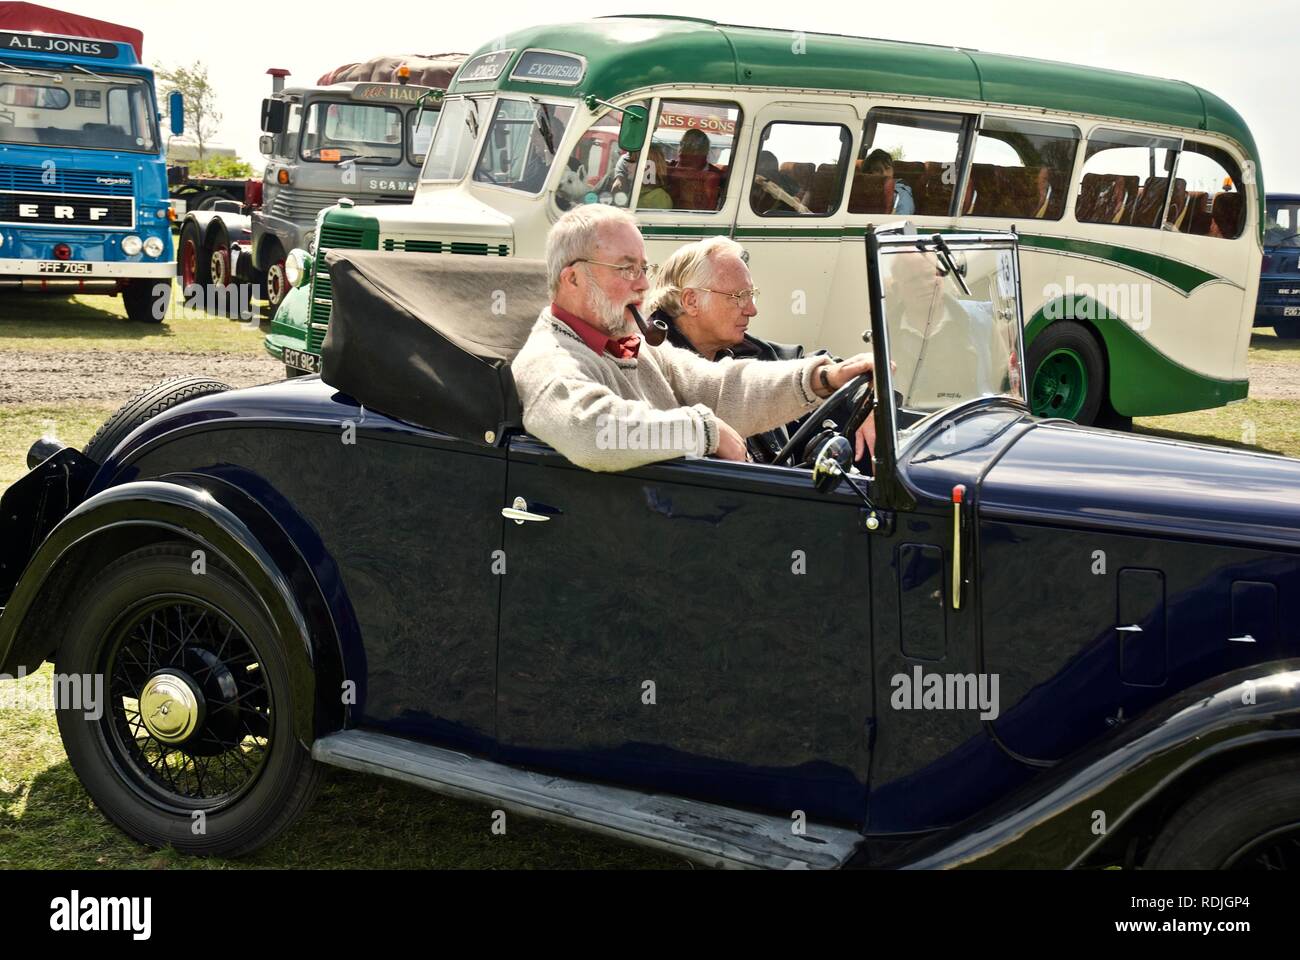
(1182,276)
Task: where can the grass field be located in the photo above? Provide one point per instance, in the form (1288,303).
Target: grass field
(48,821)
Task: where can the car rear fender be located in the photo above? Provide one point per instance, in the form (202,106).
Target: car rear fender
(217,518)
(1095,800)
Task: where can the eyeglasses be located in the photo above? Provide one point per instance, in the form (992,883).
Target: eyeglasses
(631,272)
(741,298)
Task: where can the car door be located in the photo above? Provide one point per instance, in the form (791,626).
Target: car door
(693,627)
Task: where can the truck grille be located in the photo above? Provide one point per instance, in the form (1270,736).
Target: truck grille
(57,179)
(454,246)
(294,204)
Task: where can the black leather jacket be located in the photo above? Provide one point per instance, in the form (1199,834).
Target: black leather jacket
(763,447)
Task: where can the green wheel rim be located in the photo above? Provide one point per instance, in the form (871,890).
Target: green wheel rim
(1060,385)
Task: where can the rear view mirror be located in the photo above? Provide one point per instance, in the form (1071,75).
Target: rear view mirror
(632,131)
(274,115)
(266,145)
(176,112)
(834,460)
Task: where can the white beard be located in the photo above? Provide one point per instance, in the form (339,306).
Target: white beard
(605,314)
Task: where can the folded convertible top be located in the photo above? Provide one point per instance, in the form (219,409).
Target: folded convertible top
(428,338)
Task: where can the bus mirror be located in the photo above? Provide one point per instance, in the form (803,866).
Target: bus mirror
(266,145)
(176,112)
(274,115)
(632,131)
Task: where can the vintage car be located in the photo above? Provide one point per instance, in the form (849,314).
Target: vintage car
(1005,641)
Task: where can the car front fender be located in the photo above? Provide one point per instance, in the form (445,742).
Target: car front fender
(1063,817)
(216,517)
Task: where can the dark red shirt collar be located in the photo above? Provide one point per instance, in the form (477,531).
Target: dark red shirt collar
(598,340)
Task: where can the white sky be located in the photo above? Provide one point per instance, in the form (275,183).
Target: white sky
(1243,50)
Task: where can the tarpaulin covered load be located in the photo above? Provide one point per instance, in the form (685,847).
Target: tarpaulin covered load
(427,70)
(31,18)
(428,338)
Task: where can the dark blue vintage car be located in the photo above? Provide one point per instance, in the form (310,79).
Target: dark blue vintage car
(1278,302)
(1006,642)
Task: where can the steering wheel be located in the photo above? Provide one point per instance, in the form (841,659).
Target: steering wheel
(860,388)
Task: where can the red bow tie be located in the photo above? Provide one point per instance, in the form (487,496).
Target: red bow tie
(624,347)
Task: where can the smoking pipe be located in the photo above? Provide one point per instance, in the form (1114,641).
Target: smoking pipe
(653,331)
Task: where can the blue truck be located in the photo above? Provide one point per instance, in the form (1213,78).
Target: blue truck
(83,180)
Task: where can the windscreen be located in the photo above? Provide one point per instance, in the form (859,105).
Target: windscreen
(521,144)
(336,132)
(950,344)
(453,142)
(67,109)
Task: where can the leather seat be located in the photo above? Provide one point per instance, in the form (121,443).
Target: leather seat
(694,187)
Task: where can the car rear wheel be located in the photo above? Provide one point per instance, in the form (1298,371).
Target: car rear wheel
(191,745)
(1068,373)
(1246,820)
(146,405)
(1287,329)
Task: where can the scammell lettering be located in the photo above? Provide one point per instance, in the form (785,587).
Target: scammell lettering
(391,185)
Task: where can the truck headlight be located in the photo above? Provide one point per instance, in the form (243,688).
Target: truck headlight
(131,245)
(297,267)
(153,246)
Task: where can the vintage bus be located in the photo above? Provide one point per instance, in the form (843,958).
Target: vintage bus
(1138,201)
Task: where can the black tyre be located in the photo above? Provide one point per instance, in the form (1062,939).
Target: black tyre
(193,745)
(1247,820)
(191,265)
(276,284)
(145,405)
(1067,373)
(146,300)
(1288,329)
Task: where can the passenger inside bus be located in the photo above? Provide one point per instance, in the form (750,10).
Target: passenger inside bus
(695,184)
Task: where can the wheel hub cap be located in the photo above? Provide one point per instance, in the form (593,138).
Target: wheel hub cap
(170,707)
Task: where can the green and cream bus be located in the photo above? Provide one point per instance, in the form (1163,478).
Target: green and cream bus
(1138,201)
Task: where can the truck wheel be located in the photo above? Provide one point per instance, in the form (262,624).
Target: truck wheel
(191,264)
(147,300)
(1067,373)
(217,246)
(1246,820)
(277,284)
(193,745)
(146,405)
(1287,329)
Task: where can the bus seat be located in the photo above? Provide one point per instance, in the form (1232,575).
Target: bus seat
(1150,202)
(800,174)
(1106,198)
(694,188)
(1226,214)
(1177,215)
(871,193)
(826,192)
(1198,218)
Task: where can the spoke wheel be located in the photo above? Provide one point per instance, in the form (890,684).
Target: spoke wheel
(189,712)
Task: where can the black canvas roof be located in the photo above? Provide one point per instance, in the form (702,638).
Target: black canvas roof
(428,338)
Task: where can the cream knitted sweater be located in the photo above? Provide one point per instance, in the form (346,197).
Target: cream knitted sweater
(605,413)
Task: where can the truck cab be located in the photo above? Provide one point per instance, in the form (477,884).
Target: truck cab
(83,181)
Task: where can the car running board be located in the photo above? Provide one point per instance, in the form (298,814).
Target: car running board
(708,833)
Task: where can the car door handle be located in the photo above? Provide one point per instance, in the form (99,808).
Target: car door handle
(519,513)
(1131,628)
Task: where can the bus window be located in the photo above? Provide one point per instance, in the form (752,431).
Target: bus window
(422,124)
(520,144)
(909,162)
(1215,198)
(800,169)
(1125,178)
(696,141)
(1021,168)
(597,171)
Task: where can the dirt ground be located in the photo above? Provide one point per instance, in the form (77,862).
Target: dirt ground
(85,376)
(1274,381)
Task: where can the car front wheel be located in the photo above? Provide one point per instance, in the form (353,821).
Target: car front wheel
(1247,820)
(191,743)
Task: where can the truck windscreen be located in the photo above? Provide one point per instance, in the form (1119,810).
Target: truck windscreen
(63,109)
(335,132)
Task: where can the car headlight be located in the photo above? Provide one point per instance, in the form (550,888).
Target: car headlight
(297,267)
(131,245)
(153,246)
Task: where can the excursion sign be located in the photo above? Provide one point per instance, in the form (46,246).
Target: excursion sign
(547,66)
(66,46)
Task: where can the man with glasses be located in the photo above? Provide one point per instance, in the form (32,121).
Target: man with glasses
(591,389)
(706,296)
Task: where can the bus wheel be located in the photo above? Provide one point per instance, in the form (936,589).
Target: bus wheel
(1246,820)
(1287,329)
(1069,373)
(146,300)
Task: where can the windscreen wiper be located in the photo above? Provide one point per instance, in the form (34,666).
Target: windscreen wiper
(30,73)
(88,73)
(944,252)
(364,158)
(543,124)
